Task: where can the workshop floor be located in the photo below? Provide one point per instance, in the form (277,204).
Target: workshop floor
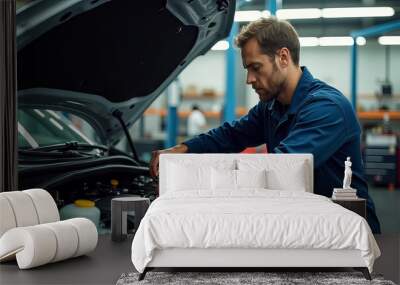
(387,204)
(110,259)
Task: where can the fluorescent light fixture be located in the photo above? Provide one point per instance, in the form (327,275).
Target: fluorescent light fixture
(247,16)
(315,13)
(40,113)
(361,41)
(354,12)
(57,124)
(266,14)
(336,41)
(389,40)
(323,41)
(54,114)
(330,41)
(27,136)
(311,13)
(221,45)
(309,41)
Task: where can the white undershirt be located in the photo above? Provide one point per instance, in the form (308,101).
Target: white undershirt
(195,123)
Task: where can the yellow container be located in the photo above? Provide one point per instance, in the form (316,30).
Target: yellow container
(81,209)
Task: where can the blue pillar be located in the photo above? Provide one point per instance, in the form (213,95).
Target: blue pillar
(172,93)
(272,7)
(230,96)
(354,74)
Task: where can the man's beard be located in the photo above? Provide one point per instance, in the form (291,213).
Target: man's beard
(272,94)
(269,96)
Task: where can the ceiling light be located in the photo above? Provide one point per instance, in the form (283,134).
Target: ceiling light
(309,41)
(221,45)
(336,41)
(361,41)
(265,14)
(389,40)
(312,13)
(247,16)
(357,12)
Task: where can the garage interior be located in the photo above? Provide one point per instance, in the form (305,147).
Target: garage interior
(357,54)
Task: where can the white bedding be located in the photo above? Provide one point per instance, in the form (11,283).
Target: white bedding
(251,218)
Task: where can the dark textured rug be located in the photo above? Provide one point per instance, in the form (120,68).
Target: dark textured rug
(230,278)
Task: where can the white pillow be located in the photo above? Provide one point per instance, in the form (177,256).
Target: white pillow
(280,180)
(188,177)
(251,178)
(226,179)
(223,179)
(282,173)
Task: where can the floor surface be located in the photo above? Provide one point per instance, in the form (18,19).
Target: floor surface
(106,264)
(387,205)
(102,266)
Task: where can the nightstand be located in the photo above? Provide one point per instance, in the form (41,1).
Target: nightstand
(119,210)
(357,205)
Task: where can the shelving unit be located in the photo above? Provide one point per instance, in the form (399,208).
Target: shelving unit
(380,157)
(381,151)
(378,115)
(241,111)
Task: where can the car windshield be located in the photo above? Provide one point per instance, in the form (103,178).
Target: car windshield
(39,128)
(23,3)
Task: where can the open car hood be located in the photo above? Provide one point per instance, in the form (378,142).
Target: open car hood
(100,58)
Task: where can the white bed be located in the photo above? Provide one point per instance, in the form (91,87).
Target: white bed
(240,210)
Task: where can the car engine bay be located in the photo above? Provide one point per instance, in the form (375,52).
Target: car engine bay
(99,177)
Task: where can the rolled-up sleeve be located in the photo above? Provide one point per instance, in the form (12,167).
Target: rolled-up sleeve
(319,128)
(232,137)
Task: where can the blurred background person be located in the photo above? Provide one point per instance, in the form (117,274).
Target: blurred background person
(196,122)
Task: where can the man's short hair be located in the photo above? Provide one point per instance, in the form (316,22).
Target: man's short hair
(271,34)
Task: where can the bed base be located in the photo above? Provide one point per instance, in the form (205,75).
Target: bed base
(363,270)
(238,259)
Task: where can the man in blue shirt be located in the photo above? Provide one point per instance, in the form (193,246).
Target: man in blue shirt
(296,113)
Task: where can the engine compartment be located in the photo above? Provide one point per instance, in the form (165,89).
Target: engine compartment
(99,179)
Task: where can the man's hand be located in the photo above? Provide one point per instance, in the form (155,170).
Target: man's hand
(180,148)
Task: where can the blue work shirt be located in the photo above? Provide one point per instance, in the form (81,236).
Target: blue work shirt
(319,120)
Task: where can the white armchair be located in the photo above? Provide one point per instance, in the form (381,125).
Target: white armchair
(31,230)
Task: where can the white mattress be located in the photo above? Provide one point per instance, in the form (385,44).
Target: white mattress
(253,218)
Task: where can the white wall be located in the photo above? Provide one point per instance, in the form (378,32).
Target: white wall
(207,71)
(333,65)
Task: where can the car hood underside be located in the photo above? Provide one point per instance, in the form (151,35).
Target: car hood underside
(101,58)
